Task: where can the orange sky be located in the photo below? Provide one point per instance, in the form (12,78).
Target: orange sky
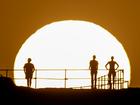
(20,18)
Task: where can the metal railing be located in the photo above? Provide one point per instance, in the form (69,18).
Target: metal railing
(66,78)
(119,81)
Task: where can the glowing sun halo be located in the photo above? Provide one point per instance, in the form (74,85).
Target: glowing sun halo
(69,45)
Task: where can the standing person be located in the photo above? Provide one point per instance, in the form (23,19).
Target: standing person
(113,65)
(93,66)
(29,69)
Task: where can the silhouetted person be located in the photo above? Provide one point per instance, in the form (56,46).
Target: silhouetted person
(113,65)
(93,66)
(29,69)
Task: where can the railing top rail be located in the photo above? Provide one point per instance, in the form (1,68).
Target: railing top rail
(57,69)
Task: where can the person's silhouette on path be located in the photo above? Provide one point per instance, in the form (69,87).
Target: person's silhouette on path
(93,66)
(29,69)
(112,73)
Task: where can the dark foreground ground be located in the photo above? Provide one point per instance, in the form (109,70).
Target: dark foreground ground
(11,94)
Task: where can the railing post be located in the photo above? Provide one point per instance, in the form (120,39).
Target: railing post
(35,78)
(118,78)
(6,72)
(65,79)
(123,77)
(104,81)
(101,82)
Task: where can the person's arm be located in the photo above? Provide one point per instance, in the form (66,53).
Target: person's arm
(97,65)
(117,65)
(106,66)
(24,69)
(33,68)
(89,65)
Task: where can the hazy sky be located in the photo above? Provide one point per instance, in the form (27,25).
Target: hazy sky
(21,18)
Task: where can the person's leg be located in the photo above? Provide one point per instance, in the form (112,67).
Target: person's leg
(113,81)
(95,79)
(28,83)
(91,80)
(109,80)
(114,75)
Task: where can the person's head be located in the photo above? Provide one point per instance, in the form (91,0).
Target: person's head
(94,56)
(29,59)
(112,57)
